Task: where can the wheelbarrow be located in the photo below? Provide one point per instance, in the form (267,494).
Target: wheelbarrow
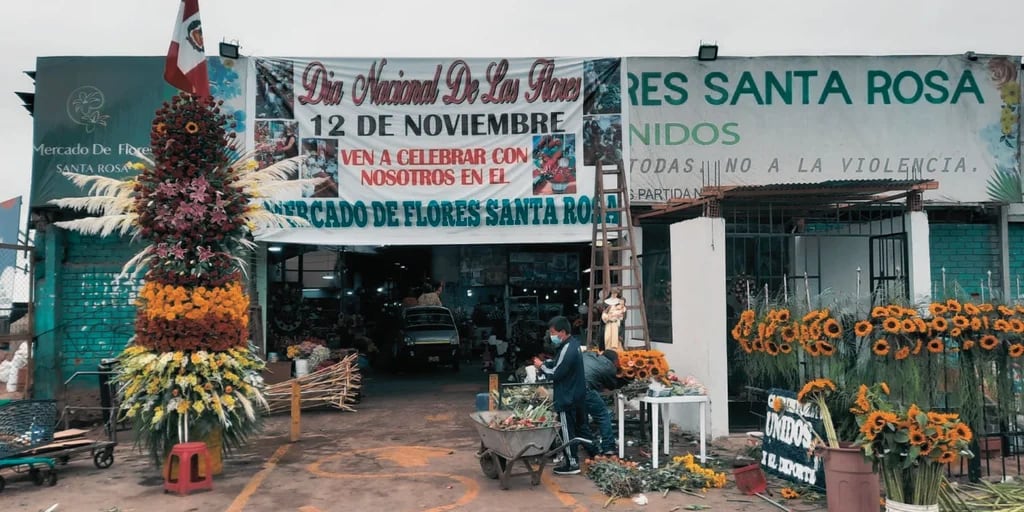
(500,450)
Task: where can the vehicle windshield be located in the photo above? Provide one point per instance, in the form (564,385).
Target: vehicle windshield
(429,320)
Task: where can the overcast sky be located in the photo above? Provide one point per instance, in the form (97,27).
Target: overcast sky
(488,28)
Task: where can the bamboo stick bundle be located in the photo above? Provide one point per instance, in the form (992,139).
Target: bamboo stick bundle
(335,386)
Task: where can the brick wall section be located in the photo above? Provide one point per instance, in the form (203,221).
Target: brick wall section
(97,313)
(968,252)
(1015,237)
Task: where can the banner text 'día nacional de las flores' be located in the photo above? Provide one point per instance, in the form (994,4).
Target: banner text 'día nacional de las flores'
(757,121)
(429,151)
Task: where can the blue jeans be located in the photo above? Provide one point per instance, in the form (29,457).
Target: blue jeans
(597,410)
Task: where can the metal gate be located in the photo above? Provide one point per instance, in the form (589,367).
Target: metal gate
(889,268)
(16,302)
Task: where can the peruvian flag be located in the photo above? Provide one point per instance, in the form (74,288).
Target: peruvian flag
(186,61)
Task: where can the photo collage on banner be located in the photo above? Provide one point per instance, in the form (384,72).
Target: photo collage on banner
(602,111)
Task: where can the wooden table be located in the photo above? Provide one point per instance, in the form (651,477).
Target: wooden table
(660,407)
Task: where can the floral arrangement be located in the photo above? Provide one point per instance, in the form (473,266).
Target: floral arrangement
(642,364)
(910,446)
(618,478)
(198,203)
(304,349)
(688,385)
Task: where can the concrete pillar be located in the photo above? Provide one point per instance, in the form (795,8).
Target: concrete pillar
(918,257)
(699,331)
(47,380)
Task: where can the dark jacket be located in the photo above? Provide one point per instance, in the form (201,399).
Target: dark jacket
(599,372)
(566,372)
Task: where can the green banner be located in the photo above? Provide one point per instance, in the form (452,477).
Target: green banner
(93,113)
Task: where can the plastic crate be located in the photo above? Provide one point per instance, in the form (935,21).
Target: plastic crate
(26,424)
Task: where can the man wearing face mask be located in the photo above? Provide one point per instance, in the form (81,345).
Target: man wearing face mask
(570,386)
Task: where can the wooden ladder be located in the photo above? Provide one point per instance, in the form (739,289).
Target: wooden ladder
(612,254)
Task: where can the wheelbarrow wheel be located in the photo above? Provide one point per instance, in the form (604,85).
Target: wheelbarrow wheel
(37,476)
(51,478)
(103,459)
(491,469)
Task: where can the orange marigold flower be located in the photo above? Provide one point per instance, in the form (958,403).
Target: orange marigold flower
(891,325)
(988,342)
(862,328)
(936,346)
(902,353)
(938,323)
(1016,350)
(832,328)
(881,347)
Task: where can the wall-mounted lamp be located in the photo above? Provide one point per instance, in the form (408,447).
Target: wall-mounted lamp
(275,248)
(707,52)
(971,56)
(229,50)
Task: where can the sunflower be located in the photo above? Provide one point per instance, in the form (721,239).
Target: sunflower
(1016,326)
(985,308)
(938,323)
(1001,325)
(737,333)
(777,404)
(861,402)
(947,457)
(926,446)
(880,347)
(1005,311)
(937,309)
(895,310)
(909,325)
(783,316)
(862,328)
(789,494)
(191,127)
(789,333)
(953,305)
(922,326)
(902,353)
(917,438)
(988,342)
(826,348)
(971,309)
(811,316)
(822,385)
(884,386)
(771,348)
(936,346)
(747,316)
(961,432)
(891,325)
(917,347)
(868,432)
(832,328)
(814,331)
(879,312)
(161,128)
(812,348)
(879,419)
(745,346)
(967,345)
(785,348)
(1016,350)
(955,332)
(975,324)
(961,321)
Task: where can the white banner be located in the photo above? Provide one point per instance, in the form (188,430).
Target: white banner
(437,151)
(770,120)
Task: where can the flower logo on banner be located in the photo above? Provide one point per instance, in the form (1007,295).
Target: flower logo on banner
(84,107)
(1002,137)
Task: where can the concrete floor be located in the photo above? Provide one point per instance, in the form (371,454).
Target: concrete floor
(410,447)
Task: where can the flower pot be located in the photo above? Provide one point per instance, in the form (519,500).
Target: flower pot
(850,482)
(301,367)
(895,506)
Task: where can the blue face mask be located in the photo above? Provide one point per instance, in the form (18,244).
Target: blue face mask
(556,340)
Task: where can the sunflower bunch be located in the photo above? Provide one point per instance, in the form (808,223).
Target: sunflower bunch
(642,365)
(816,392)
(910,446)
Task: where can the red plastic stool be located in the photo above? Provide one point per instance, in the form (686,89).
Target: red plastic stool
(190,456)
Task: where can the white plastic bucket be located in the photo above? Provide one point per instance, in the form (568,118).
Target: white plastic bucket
(301,367)
(895,506)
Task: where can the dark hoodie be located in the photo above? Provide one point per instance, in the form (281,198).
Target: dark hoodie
(566,372)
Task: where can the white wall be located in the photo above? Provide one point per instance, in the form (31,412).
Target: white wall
(919,257)
(699,318)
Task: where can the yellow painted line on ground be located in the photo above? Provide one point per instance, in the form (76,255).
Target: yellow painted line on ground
(257,480)
(567,500)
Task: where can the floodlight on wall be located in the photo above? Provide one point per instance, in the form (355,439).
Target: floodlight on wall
(275,248)
(229,50)
(707,51)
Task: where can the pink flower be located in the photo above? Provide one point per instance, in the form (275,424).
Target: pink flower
(204,253)
(178,251)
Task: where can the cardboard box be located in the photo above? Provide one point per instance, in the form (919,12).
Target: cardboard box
(277,372)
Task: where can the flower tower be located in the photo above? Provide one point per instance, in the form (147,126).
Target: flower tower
(189,372)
